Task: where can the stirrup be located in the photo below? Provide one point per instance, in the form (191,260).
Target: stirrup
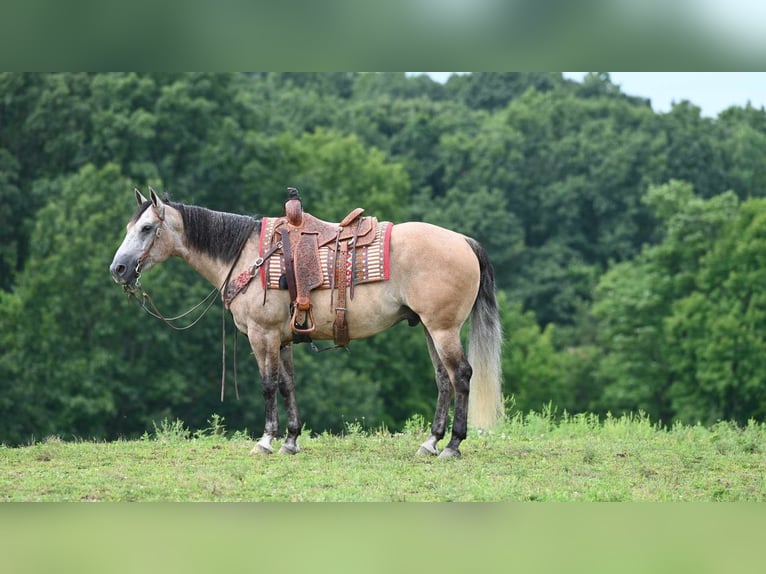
(309,316)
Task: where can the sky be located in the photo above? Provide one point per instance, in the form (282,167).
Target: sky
(713,92)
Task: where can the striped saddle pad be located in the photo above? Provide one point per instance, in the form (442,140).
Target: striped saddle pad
(365,264)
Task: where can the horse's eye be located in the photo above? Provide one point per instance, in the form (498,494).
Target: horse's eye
(146,228)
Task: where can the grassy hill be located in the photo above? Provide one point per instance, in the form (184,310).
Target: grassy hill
(529,458)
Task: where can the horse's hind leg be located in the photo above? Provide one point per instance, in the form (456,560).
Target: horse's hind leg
(444,386)
(287,390)
(446,344)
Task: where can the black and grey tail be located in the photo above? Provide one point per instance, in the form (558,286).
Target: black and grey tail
(485,341)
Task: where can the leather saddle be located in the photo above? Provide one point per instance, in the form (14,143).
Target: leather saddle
(302,236)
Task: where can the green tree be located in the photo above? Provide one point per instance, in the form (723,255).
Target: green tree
(533,371)
(80,360)
(716,334)
(337,173)
(742,137)
(62,371)
(583,164)
(11,225)
(634,299)
(492,90)
(693,152)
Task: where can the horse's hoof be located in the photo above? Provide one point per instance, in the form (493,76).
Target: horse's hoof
(289,449)
(427,450)
(450,453)
(260,449)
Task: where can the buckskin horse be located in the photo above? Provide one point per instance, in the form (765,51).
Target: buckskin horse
(433,276)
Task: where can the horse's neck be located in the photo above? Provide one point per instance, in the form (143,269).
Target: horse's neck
(209,267)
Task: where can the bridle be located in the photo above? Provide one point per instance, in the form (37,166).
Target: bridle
(139,263)
(146,300)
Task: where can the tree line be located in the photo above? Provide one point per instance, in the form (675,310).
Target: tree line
(626,243)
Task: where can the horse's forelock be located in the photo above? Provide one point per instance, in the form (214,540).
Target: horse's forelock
(140,211)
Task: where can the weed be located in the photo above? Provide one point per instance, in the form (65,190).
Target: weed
(170,432)
(216,428)
(415,426)
(354,428)
(589,456)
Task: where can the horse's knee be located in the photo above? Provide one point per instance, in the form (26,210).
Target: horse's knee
(269,386)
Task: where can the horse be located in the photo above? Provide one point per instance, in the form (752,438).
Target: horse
(438,278)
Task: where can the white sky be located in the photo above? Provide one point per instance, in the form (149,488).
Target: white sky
(713,92)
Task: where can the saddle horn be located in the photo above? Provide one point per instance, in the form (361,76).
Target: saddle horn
(294,207)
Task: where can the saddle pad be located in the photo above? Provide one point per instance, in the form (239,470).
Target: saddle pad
(371,261)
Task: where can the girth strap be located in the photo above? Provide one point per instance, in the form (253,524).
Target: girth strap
(289,268)
(340,327)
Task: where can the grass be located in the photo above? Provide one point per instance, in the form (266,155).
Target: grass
(529,458)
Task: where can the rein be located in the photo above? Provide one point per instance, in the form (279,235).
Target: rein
(155,312)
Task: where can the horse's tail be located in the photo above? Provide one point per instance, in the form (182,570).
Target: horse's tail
(485,402)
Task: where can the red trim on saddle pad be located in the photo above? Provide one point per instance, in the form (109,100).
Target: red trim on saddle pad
(387,251)
(261,248)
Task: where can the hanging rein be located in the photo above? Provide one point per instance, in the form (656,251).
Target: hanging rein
(209,299)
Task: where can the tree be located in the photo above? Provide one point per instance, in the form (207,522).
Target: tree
(337,172)
(492,90)
(581,166)
(742,137)
(62,375)
(692,152)
(533,371)
(11,225)
(635,299)
(80,361)
(716,334)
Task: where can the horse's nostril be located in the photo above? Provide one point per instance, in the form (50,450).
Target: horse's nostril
(118,270)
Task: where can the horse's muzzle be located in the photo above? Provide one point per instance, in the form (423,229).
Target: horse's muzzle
(124,272)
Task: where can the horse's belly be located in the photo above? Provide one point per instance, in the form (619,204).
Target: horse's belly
(372,310)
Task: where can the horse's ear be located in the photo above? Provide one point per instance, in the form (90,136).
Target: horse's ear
(159,205)
(139,197)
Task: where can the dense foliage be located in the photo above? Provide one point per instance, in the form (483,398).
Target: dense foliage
(628,244)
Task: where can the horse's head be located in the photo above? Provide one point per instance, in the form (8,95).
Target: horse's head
(150,239)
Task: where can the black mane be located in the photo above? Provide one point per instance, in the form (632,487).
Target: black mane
(215,233)
(220,235)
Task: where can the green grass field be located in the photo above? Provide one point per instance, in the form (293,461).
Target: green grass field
(530,458)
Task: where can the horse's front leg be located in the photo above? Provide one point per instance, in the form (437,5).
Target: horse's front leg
(266,349)
(287,390)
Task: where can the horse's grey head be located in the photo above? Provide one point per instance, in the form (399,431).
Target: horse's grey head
(142,246)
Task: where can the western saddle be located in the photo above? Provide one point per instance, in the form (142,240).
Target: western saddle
(302,236)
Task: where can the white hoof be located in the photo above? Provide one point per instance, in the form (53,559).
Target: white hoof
(289,450)
(428,448)
(263,446)
(450,453)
